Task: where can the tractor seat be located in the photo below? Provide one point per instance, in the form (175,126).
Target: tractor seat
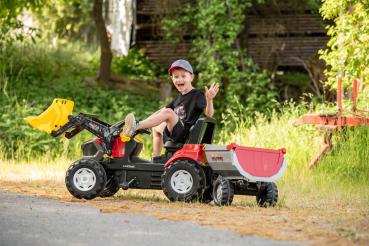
(200,133)
(172,146)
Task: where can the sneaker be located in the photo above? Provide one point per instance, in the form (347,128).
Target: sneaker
(130,125)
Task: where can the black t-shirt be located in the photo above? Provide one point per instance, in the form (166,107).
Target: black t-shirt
(189,106)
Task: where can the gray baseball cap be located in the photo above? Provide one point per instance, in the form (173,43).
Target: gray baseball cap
(180,64)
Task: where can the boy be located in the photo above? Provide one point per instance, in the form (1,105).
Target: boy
(175,120)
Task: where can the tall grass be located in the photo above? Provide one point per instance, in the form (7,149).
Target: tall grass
(341,175)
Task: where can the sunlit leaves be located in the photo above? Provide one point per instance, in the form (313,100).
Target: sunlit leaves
(217,25)
(10,26)
(348,48)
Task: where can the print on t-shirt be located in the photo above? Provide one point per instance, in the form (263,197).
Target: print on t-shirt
(180,111)
(189,106)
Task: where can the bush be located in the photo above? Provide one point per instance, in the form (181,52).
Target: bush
(135,65)
(31,76)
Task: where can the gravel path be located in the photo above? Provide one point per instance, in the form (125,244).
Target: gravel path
(26,220)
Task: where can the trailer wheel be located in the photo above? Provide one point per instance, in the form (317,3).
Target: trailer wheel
(85,179)
(267,195)
(111,187)
(223,191)
(182,181)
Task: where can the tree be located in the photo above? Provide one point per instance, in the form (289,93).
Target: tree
(348,48)
(106,54)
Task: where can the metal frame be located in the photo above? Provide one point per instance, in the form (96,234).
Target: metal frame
(335,122)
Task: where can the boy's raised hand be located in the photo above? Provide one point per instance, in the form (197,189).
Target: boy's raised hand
(212,91)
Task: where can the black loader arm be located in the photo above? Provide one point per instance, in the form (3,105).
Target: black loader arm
(88,122)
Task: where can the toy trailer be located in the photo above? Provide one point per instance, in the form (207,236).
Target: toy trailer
(192,171)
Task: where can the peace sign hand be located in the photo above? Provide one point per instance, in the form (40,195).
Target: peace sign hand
(211,92)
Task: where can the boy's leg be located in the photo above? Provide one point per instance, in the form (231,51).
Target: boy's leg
(166,115)
(157,135)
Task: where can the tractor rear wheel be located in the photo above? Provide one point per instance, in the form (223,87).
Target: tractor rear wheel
(85,179)
(182,181)
(267,195)
(223,191)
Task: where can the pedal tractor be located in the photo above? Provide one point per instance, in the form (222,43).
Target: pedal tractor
(196,170)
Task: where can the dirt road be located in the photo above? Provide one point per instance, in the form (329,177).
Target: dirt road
(326,225)
(28,220)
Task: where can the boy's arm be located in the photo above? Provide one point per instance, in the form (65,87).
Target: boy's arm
(209,109)
(209,95)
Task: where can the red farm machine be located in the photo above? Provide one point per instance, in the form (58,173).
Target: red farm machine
(330,123)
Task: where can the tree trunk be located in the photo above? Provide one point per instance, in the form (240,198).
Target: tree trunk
(106,55)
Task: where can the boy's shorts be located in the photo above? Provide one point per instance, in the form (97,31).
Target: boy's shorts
(179,133)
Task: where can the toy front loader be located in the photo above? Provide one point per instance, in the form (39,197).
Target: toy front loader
(58,119)
(194,170)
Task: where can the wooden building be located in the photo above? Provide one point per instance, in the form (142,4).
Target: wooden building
(282,39)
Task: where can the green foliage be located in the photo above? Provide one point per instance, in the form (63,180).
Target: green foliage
(348,47)
(215,26)
(136,65)
(31,76)
(68,19)
(173,25)
(11,28)
(296,79)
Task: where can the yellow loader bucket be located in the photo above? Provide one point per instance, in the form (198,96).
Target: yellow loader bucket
(53,117)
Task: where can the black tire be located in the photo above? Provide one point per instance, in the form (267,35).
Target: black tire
(267,195)
(85,179)
(207,196)
(223,192)
(111,187)
(182,181)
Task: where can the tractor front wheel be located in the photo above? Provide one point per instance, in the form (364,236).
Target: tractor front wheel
(182,181)
(85,179)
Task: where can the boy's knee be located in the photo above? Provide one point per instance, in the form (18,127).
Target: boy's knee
(168,111)
(159,129)
(157,132)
